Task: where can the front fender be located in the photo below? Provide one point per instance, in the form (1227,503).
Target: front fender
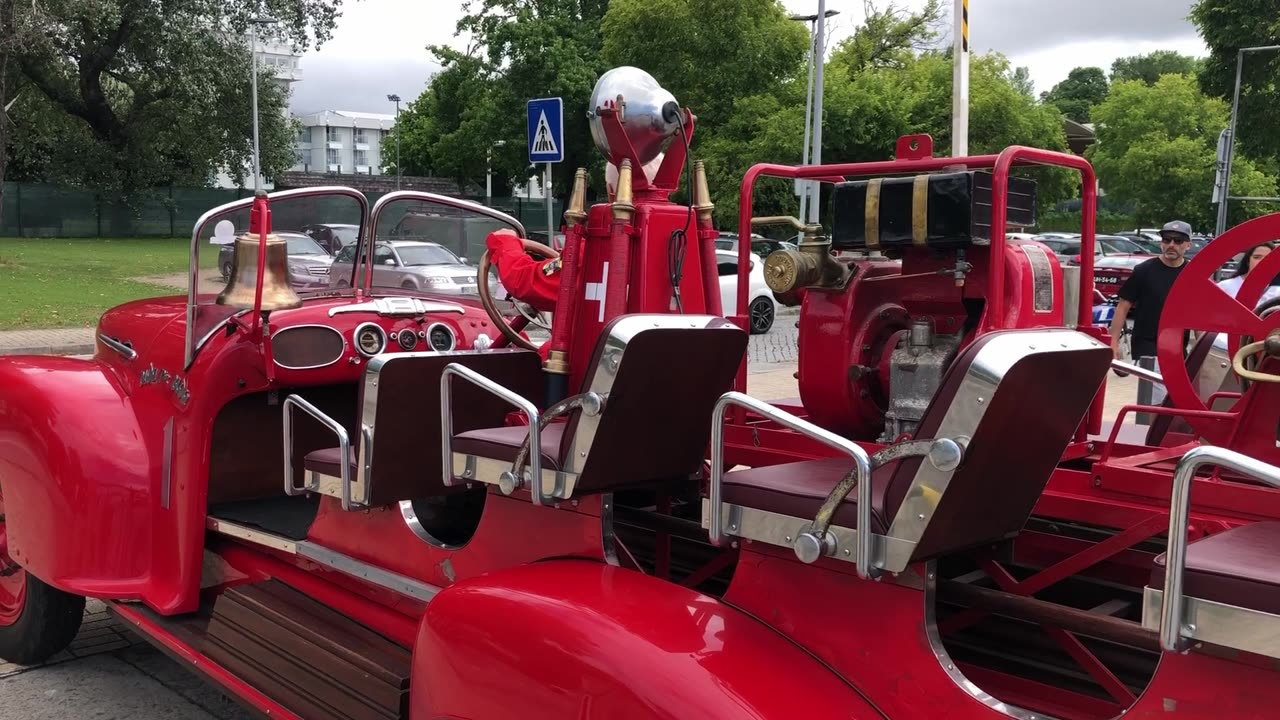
(572,638)
(77,475)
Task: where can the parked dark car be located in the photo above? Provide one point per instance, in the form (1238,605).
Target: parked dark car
(332,236)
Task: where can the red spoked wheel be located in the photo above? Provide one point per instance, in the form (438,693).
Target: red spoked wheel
(36,621)
(13,579)
(1196,303)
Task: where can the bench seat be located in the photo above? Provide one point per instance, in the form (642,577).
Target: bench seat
(798,489)
(327,461)
(1239,567)
(503,443)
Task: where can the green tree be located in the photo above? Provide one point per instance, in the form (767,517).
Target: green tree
(1148,68)
(129,93)
(1156,148)
(1227,26)
(1076,96)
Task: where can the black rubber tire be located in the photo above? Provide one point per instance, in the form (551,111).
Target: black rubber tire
(755,316)
(226,271)
(49,622)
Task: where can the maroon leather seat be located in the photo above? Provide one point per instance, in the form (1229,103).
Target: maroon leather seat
(662,376)
(1239,567)
(1023,432)
(329,462)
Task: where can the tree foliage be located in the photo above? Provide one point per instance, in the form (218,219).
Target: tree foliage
(1076,95)
(1156,148)
(1227,26)
(127,94)
(1148,68)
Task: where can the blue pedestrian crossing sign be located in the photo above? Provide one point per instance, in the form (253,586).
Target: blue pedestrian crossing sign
(546,130)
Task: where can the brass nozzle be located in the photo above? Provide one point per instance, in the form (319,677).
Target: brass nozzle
(623,209)
(701,192)
(577,210)
(557,362)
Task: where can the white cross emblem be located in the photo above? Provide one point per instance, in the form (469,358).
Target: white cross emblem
(595,291)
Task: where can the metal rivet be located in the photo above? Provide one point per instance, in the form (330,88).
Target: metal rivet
(980,401)
(787,538)
(847,553)
(920,516)
(733,527)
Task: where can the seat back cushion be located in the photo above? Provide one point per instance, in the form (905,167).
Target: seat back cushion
(657,419)
(401,401)
(1029,419)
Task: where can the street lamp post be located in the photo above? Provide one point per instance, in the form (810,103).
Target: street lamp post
(254,22)
(396,99)
(1231,137)
(488,171)
(812,127)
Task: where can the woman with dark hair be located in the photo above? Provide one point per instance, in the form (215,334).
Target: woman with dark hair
(1251,258)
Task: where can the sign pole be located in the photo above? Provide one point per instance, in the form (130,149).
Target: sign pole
(551,229)
(960,82)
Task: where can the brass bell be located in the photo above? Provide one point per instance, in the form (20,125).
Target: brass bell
(277,294)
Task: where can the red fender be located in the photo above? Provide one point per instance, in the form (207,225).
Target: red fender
(78,474)
(572,638)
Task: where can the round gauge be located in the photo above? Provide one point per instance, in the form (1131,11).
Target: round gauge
(407,338)
(370,339)
(440,337)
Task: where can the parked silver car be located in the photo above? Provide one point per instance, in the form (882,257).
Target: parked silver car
(308,262)
(414,265)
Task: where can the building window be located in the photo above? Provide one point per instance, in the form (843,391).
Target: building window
(299,157)
(362,158)
(304,136)
(362,137)
(331,156)
(331,134)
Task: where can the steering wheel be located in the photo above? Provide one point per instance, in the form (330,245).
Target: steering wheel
(526,315)
(1195,302)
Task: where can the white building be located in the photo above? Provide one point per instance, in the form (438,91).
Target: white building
(343,142)
(280,61)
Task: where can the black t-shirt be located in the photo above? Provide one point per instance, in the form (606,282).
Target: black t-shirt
(1147,289)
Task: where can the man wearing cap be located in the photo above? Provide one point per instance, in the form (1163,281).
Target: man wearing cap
(1146,289)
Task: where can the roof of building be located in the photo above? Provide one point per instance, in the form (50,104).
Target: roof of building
(348,118)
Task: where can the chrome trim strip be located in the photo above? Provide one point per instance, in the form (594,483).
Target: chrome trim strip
(949,666)
(397,306)
(1216,623)
(166,464)
(1172,628)
(308,367)
(862,462)
(371,574)
(783,530)
(473,468)
(127,352)
(193,271)
(248,534)
(534,438)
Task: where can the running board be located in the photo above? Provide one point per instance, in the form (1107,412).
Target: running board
(306,656)
(371,574)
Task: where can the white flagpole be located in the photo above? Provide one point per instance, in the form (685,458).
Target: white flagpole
(960,83)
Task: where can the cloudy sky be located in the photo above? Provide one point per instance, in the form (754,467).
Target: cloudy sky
(379,46)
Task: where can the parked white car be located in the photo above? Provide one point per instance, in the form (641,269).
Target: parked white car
(762,307)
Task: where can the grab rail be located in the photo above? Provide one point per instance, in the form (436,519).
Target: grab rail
(864,561)
(530,412)
(1171,609)
(344,448)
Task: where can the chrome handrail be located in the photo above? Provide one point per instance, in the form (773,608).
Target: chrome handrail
(1140,372)
(864,559)
(1171,609)
(344,448)
(510,481)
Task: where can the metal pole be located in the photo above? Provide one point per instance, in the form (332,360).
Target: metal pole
(819,61)
(253,51)
(399,172)
(1221,226)
(960,82)
(803,185)
(551,231)
(488,175)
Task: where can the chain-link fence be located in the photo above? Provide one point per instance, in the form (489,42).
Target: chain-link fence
(36,210)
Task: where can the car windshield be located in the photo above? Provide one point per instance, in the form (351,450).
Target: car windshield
(302,245)
(416,255)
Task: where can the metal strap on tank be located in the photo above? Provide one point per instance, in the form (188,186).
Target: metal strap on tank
(872,218)
(920,209)
(1171,612)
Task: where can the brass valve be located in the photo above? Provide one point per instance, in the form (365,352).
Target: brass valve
(810,265)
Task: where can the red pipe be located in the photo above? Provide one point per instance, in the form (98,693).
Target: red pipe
(615,294)
(567,301)
(259,222)
(710,277)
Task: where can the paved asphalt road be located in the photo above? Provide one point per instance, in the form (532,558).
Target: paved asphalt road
(111,674)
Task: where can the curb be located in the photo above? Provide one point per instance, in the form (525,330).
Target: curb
(77,349)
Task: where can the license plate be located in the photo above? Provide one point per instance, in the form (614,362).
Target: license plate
(1107,280)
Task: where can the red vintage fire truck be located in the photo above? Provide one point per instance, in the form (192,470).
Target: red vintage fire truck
(372,502)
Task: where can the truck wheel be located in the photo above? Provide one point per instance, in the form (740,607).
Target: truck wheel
(761,315)
(36,621)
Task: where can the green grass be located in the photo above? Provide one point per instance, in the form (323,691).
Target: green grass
(57,282)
